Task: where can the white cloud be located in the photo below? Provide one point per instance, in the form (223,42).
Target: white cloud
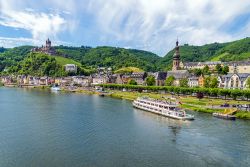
(156,24)
(152,25)
(41,25)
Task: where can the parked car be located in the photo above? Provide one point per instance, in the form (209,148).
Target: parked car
(225,105)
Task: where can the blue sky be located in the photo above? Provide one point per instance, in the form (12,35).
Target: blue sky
(151,25)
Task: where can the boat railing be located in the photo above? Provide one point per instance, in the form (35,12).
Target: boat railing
(157,101)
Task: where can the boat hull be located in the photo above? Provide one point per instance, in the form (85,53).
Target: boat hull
(224,116)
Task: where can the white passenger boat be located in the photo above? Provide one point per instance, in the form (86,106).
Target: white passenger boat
(164,108)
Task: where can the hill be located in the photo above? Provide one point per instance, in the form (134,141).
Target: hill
(12,56)
(40,64)
(234,51)
(231,51)
(111,57)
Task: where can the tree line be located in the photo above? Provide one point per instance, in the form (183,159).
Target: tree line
(209,92)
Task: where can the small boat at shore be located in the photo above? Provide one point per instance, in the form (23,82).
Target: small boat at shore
(224,116)
(55,88)
(164,108)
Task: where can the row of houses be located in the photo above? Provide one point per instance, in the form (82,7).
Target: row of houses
(229,81)
(241,66)
(84,81)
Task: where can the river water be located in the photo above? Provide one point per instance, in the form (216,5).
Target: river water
(39,128)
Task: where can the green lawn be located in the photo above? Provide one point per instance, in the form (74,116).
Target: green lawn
(243,115)
(62,61)
(128,70)
(217,58)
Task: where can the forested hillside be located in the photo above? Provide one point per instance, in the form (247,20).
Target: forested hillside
(111,57)
(90,58)
(231,51)
(40,64)
(12,56)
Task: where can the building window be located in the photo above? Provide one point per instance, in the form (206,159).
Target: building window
(237,82)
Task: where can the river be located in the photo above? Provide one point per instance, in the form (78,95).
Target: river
(40,128)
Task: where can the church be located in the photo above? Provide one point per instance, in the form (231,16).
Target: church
(177,72)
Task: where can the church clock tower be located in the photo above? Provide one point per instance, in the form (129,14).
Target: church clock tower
(176,58)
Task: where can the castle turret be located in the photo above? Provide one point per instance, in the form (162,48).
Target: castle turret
(48,43)
(176,58)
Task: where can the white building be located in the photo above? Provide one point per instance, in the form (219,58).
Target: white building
(233,81)
(82,80)
(193,81)
(70,68)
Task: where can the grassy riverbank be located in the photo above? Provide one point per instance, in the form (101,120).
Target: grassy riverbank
(205,105)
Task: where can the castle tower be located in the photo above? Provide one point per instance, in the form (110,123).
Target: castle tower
(176,58)
(48,43)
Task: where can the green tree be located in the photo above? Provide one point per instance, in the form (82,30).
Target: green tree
(150,80)
(170,81)
(248,83)
(206,71)
(225,70)
(235,93)
(214,83)
(219,69)
(224,92)
(184,82)
(246,94)
(132,82)
(207,82)
(197,72)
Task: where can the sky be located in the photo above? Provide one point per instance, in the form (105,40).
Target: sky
(152,25)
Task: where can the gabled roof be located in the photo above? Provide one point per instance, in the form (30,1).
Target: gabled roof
(242,76)
(161,75)
(179,74)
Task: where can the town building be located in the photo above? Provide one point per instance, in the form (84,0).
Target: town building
(234,81)
(119,79)
(242,66)
(43,81)
(84,81)
(201,81)
(70,68)
(200,65)
(66,81)
(193,81)
(160,78)
(99,79)
(178,75)
(139,77)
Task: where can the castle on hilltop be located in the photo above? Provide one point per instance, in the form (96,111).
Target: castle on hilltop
(47,49)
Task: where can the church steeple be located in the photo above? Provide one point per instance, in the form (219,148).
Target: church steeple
(176,57)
